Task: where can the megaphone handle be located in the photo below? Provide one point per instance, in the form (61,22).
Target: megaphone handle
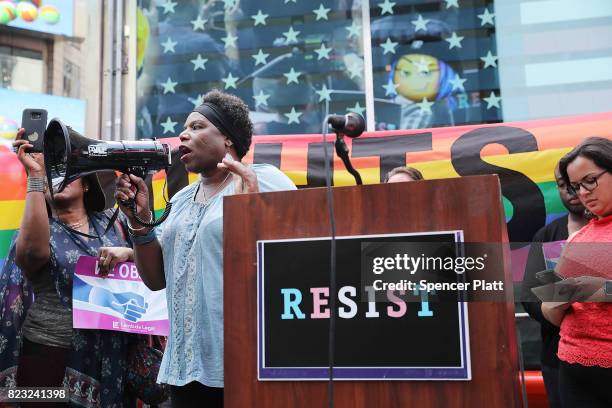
(131,205)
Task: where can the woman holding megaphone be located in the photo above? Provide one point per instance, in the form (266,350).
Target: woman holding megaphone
(185,253)
(90,363)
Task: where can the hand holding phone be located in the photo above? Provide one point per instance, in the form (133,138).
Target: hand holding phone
(34,121)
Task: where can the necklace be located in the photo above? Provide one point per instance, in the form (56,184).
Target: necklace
(206,199)
(77,225)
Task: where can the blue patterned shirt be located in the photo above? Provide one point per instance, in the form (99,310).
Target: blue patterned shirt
(192,246)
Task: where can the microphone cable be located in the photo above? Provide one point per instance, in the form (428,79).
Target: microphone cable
(332,267)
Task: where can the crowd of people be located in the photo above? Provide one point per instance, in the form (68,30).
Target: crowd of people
(184,255)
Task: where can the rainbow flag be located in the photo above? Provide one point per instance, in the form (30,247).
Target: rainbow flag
(523,154)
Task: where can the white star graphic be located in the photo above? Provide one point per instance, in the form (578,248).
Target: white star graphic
(324,94)
(425,105)
(386,7)
(168,45)
(390,88)
(457,83)
(490,60)
(421,65)
(420,23)
(230,81)
(486,18)
(452,3)
(229,40)
(354,30)
(292,76)
(197,101)
(323,52)
(168,6)
(492,101)
(260,57)
(169,86)
(454,41)
(260,18)
(321,12)
(228,4)
(168,125)
(261,98)
(292,1)
(357,109)
(198,23)
(356,70)
(291,36)
(388,46)
(199,63)
(293,116)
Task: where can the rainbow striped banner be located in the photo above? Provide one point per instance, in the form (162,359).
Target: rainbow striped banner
(523,154)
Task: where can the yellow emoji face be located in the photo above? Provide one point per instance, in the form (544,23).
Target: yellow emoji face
(416,76)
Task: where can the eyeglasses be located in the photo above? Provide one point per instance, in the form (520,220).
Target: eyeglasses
(589,184)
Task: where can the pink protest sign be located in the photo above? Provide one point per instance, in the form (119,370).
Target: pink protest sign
(119,302)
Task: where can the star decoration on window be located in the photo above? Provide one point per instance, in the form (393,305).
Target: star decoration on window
(388,46)
(323,52)
(199,63)
(292,76)
(421,65)
(230,81)
(321,12)
(168,6)
(260,18)
(420,23)
(425,105)
(168,125)
(457,83)
(357,109)
(197,101)
(291,36)
(390,89)
(293,116)
(168,45)
(489,60)
(486,18)
(198,23)
(452,3)
(260,57)
(355,70)
(386,7)
(454,41)
(324,94)
(261,98)
(492,101)
(169,86)
(354,30)
(229,40)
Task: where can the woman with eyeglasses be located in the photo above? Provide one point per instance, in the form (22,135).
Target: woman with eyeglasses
(585,348)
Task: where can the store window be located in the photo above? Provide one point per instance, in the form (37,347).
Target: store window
(21,69)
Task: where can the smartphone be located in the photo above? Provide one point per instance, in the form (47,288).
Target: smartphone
(548,276)
(34,121)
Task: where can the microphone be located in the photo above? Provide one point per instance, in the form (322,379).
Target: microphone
(352,124)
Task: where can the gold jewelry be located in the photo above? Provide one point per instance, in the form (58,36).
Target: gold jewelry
(229,173)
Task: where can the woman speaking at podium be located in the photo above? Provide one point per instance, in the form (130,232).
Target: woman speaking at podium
(585,348)
(185,254)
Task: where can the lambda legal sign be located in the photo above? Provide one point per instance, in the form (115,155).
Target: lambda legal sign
(392,335)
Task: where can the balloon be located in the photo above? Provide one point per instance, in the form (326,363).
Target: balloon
(8,12)
(49,14)
(8,128)
(27,11)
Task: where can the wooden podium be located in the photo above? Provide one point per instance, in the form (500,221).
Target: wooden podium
(472,204)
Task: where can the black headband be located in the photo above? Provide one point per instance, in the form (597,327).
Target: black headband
(216,116)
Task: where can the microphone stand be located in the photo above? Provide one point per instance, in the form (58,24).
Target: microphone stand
(343,152)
